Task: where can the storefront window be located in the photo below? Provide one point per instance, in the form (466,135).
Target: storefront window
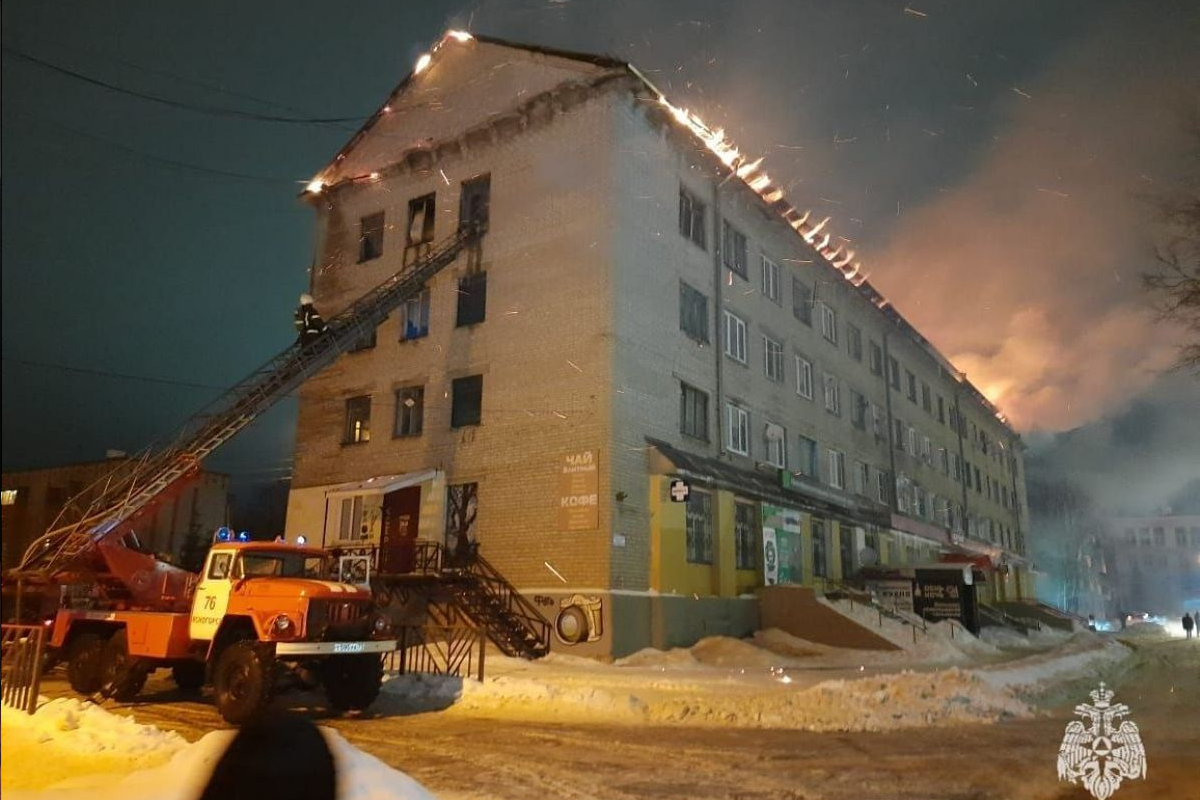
(699,527)
(745,530)
(820,549)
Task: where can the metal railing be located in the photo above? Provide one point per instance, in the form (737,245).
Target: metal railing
(455,650)
(22,647)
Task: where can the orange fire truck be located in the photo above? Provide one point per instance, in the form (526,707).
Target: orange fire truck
(263,617)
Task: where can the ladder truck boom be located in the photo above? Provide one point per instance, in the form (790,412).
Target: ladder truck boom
(96,528)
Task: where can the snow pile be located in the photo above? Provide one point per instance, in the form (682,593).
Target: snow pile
(181,770)
(722,652)
(68,737)
(884,702)
(1082,654)
(86,728)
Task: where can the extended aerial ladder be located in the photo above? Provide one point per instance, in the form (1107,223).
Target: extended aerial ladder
(86,538)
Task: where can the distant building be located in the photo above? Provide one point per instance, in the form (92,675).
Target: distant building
(32,499)
(653,388)
(1153,564)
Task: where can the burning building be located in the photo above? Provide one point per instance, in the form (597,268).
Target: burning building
(653,387)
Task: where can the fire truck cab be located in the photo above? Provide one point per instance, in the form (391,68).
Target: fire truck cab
(264,617)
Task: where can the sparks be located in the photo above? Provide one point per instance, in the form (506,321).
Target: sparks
(422,63)
(315,186)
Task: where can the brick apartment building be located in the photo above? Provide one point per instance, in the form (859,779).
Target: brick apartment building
(32,499)
(636,316)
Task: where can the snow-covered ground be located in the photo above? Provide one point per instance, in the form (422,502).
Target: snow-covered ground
(775,681)
(75,750)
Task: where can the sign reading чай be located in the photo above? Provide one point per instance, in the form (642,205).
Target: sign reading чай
(579,492)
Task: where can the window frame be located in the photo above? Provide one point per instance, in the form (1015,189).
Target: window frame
(693,312)
(421,330)
(409,420)
(734,412)
(698,527)
(693,400)
(837,468)
(773,359)
(740,338)
(691,210)
(356,430)
(469,310)
(828,314)
(770,279)
(370,237)
(854,345)
(734,257)
(802,301)
(462,391)
(804,377)
(833,394)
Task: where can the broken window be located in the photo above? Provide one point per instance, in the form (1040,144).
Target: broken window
(358,420)
(733,249)
(854,341)
(370,237)
(466,401)
(421,217)
(472,299)
(475,201)
(692,219)
(365,343)
(802,301)
(410,410)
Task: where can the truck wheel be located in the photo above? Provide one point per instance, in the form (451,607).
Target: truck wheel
(352,682)
(188,676)
(121,676)
(241,682)
(83,663)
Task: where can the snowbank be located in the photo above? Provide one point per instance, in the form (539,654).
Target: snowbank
(883,702)
(1083,653)
(69,736)
(943,642)
(180,772)
(773,680)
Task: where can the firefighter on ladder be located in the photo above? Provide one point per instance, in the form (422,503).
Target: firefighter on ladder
(309,323)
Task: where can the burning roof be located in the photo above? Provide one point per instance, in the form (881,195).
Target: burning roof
(750,172)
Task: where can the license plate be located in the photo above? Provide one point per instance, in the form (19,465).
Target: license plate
(349,647)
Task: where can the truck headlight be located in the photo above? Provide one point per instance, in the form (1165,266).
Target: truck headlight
(282,625)
(381,625)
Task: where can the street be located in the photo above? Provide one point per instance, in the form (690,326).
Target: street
(458,756)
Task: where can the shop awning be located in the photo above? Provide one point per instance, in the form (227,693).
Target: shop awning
(803,494)
(381,484)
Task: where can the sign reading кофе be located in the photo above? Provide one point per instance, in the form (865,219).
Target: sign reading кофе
(579,492)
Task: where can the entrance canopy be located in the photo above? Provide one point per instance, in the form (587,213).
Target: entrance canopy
(380,485)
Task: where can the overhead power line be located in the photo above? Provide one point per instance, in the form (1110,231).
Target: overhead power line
(171,162)
(108,374)
(199,108)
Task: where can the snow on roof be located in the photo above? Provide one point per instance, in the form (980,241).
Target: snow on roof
(555,67)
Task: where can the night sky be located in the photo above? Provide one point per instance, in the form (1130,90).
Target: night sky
(994,165)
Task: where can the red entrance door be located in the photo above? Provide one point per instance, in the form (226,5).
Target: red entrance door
(398,542)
